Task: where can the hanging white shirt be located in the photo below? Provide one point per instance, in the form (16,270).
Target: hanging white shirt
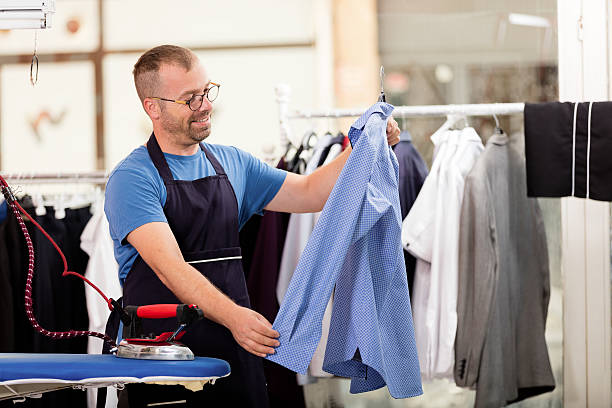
(103,271)
(443,288)
(417,238)
(430,232)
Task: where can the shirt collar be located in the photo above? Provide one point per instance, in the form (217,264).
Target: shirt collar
(499,139)
(469,133)
(440,136)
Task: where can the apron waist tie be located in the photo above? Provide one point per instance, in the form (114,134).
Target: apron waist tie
(226,258)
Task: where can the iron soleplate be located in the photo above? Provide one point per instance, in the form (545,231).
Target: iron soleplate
(164,351)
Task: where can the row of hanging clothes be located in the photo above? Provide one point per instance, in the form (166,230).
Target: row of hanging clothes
(75,220)
(482,283)
(481,289)
(476,260)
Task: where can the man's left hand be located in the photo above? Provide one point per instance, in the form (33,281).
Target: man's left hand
(393,132)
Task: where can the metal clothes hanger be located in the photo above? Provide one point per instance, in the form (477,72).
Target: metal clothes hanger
(382,97)
(498,129)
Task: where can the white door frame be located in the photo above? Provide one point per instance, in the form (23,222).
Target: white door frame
(583,36)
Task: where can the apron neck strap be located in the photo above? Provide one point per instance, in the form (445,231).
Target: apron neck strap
(216,165)
(158,159)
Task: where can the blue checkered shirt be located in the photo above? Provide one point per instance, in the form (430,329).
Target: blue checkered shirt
(356,247)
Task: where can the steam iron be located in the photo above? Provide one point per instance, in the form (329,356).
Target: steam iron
(165,346)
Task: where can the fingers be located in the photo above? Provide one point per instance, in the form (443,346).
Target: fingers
(392,127)
(393,132)
(260,350)
(258,344)
(265,341)
(254,333)
(393,140)
(265,327)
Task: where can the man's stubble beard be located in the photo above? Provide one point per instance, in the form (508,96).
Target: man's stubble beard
(198,136)
(177,129)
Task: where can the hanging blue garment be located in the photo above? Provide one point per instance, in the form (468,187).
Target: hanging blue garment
(3,211)
(356,248)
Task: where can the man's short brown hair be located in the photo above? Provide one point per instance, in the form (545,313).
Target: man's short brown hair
(147,67)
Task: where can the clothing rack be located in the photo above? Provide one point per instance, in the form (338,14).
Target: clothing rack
(283,93)
(85,177)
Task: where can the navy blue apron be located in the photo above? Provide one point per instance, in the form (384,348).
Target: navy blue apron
(203,216)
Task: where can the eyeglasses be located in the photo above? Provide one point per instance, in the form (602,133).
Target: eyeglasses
(195,102)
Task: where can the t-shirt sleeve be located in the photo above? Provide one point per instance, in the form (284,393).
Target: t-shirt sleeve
(132,199)
(262,184)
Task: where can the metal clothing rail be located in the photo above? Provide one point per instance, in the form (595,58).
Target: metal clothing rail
(483,109)
(85,177)
(283,93)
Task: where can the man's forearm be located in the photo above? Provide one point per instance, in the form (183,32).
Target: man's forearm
(191,287)
(308,194)
(302,194)
(155,242)
(250,330)
(321,182)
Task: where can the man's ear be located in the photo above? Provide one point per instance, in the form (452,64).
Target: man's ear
(151,107)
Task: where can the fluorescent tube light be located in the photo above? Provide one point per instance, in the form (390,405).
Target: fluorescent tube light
(528,20)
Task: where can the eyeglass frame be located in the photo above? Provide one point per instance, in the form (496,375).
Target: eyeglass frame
(188,103)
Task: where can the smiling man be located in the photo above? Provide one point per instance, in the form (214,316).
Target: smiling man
(175,207)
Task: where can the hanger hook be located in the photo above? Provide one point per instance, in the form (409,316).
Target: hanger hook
(382,97)
(34,62)
(496,121)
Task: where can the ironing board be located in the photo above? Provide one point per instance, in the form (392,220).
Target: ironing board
(29,375)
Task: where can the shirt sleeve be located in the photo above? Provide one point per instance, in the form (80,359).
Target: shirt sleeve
(132,200)
(262,182)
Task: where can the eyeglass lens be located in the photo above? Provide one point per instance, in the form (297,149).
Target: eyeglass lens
(211,94)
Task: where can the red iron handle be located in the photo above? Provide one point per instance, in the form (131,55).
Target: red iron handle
(161,311)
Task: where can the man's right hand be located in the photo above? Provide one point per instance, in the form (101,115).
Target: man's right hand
(252,331)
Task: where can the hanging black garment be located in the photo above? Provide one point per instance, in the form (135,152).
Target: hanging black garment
(15,266)
(59,301)
(412,174)
(338,139)
(203,216)
(562,162)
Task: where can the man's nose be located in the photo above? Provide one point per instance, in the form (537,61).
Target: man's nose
(206,104)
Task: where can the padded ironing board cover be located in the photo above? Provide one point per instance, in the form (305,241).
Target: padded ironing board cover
(26,374)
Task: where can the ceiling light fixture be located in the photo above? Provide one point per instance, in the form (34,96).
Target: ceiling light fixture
(528,20)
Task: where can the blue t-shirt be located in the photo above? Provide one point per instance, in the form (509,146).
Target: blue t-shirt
(136,194)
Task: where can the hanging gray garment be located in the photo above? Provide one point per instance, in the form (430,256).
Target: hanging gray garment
(504,285)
